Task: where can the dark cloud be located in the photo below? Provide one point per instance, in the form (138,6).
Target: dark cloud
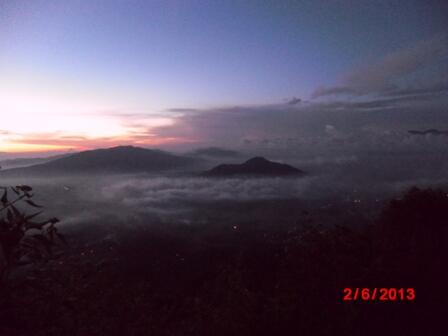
(388,75)
(428,132)
(378,103)
(294,101)
(214,152)
(182,110)
(433,88)
(372,109)
(285,130)
(333,90)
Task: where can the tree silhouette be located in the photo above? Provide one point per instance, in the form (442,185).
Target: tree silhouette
(413,230)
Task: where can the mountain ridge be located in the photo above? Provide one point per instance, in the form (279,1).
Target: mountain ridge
(120,159)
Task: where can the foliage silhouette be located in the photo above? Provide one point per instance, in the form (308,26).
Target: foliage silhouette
(23,239)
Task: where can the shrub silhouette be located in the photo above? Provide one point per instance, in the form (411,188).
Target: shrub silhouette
(412,233)
(23,240)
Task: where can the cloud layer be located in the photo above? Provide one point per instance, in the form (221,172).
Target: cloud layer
(392,75)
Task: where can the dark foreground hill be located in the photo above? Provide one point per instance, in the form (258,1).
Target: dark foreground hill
(122,159)
(257,166)
(238,277)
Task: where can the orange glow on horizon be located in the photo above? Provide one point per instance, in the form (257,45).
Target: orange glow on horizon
(31,148)
(77,132)
(59,145)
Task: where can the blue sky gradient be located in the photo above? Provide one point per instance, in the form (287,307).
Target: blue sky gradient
(144,57)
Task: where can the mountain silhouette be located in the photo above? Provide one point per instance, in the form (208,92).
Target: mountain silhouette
(25,162)
(257,166)
(122,159)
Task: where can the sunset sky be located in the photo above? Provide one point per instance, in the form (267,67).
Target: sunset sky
(86,74)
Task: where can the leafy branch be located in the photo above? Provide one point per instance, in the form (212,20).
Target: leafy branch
(23,240)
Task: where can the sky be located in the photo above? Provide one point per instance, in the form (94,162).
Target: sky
(277,75)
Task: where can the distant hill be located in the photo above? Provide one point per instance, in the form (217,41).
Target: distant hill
(257,166)
(24,162)
(122,159)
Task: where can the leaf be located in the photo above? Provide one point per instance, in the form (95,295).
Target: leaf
(4,198)
(16,211)
(40,225)
(33,215)
(50,231)
(44,241)
(32,225)
(61,237)
(9,216)
(33,204)
(24,188)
